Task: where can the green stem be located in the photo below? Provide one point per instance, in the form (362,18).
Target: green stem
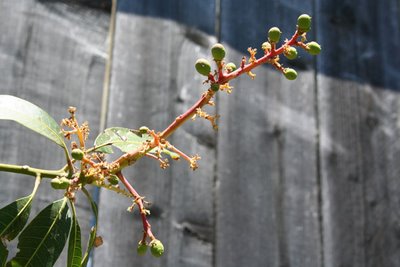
(25,169)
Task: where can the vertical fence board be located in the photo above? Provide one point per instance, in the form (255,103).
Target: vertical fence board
(359,107)
(52,55)
(153,81)
(267,201)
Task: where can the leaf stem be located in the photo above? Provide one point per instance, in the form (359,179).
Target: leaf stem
(25,169)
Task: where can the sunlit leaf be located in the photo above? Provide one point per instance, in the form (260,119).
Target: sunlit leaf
(122,138)
(74,244)
(32,117)
(14,216)
(126,140)
(42,241)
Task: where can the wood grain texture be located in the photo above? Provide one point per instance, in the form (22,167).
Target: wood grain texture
(359,108)
(52,56)
(301,173)
(267,200)
(153,81)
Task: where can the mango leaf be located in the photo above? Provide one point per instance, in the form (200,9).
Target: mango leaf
(74,245)
(32,117)
(126,140)
(14,216)
(3,254)
(93,231)
(42,241)
(122,138)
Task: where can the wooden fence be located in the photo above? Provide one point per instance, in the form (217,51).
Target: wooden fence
(301,173)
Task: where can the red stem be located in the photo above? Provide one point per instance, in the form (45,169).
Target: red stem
(131,157)
(139,202)
(248,67)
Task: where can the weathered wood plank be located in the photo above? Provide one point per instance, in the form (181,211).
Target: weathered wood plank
(358,107)
(267,200)
(153,81)
(52,55)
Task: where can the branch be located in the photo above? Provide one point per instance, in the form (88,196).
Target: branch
(25,169)
(139,201)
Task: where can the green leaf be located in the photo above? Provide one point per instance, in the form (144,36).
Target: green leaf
(126,140)
(122,138)
(93,231)
(14,216)
(74,245)
(42,241)
(32,117)
(3,254)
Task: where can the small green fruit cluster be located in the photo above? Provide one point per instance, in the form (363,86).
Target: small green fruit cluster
(77,154)
(203,66)
(60,183)
(266,46)
(290,74)
(230,67)
(141,248)
(290,53)
(313,48)
(274,34)
(218,52)
(304,23)
(156,248)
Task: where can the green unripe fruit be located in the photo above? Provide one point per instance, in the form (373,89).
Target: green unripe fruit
(77,154)
(113,180)
(290,74)
(156,248)
(304,23)
(291,53)
(215,87)
(266,46)
(141,248)
(60,183)
(230,67)
(144,130)
(313,48)
(274,34)
(203,66)
(218,52)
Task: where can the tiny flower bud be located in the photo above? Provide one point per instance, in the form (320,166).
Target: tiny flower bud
(313,48)
(215,87)
(218,52)
(290,53)
(230,67)
(156,248)
(141,248)
(274,34)
(304,23)
(203,66)
(77,154)
(290,74)
(266,46)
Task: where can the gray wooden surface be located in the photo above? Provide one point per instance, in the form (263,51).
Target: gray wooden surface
(300,173)
(54,56)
